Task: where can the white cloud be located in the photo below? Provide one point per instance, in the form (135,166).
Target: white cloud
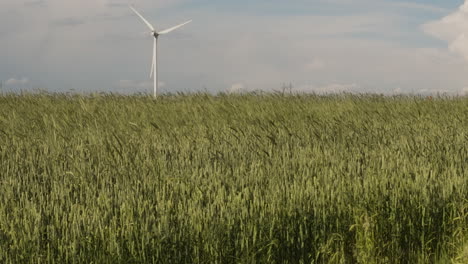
(315,64)
(460,45)
(134,86)
(331,88)
(14,81)
(236,88)
(464,91)
(397,90)
(452,29)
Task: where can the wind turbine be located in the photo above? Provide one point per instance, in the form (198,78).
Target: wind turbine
(156,34)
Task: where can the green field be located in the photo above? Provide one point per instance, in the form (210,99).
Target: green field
(255,178)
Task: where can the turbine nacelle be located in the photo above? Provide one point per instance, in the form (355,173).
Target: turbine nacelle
(154,34)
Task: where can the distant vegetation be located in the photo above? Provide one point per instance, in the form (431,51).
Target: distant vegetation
(233,179)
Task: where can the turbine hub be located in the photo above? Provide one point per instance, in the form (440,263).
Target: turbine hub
(155,34)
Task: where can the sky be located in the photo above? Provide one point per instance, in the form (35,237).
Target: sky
(321,46)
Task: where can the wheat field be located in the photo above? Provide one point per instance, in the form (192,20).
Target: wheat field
(253,178)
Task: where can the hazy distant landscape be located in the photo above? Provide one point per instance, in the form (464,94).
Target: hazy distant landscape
(251,178)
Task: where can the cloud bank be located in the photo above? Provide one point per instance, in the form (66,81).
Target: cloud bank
(20,81)
(318,45)
(453,29)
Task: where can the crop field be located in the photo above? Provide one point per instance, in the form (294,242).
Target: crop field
(254,178)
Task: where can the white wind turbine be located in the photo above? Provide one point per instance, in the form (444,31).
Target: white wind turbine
(156,34)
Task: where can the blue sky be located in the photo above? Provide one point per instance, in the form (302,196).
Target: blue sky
(317,45)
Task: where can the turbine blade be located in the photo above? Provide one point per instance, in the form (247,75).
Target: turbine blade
(144,20)
(153,59)
(173,28)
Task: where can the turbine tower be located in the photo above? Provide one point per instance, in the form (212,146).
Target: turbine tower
(156,34)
